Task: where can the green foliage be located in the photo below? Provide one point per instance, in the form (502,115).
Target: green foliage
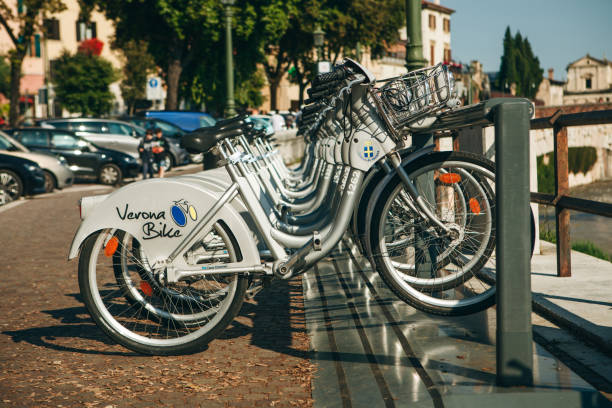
(580,160)
(5,77)
(519,66)
(287,28)
(82,81)
(137,64)
(589,248)
(187,41)
(546,174)
(586,247)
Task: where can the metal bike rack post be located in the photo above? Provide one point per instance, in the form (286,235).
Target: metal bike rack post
(514,337)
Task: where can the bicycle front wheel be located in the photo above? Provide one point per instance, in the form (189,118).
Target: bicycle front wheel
(146,315)
(446,274)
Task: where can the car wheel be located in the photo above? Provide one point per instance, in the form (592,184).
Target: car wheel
(50,183)
(11,185)
(110,174)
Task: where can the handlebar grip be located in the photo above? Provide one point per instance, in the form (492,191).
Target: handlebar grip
(338,74)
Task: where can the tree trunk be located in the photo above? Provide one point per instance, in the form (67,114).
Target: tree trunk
(303,86)
(16,62)
(174,74)
(274,93)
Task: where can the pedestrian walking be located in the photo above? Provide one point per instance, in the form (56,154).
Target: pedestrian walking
(159,150)
(146,154)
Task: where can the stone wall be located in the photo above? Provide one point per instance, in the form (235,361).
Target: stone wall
(291,147)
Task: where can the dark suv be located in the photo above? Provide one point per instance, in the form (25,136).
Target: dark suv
(84,158)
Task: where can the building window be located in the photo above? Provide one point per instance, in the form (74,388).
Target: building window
(85,30)
(52,31)
(432,21)
(34,46)
(446,25)
(447,55)
(588,83)
(432,48)
(52,69)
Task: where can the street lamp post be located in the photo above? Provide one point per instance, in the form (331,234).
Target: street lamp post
(319,39)
(230,107)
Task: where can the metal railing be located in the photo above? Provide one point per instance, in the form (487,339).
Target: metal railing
(560,200)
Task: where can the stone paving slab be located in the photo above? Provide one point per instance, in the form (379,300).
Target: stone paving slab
(372,349)
(52,354)
(582,302)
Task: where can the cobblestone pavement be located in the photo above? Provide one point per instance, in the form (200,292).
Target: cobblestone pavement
(51,353)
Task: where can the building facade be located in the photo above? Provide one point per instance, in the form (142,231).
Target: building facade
(63,31)
(550,91)
(589,80)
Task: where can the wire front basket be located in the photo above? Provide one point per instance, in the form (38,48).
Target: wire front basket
(405,99)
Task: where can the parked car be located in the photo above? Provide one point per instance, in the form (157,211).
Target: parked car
(19,176)
(263,122)
(105,133)
(56,171)
(188,121)
(177,156)
(84,158)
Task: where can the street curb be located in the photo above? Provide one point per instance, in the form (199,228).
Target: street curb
(567,320)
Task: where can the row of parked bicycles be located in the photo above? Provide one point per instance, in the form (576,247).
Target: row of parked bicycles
(164,264)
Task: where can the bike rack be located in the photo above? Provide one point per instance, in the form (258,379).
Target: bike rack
(510,116)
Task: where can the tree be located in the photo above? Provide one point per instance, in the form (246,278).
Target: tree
(5,77)
(288,28)
(174,30)
(20,26)
(519,66)
(137,65)
(81,83)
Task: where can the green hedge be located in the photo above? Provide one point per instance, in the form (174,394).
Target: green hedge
(580,160)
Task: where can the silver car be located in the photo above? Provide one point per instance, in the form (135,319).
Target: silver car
(57,173)
(107,133)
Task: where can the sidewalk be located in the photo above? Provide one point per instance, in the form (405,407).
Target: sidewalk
(372,349)
(581,303)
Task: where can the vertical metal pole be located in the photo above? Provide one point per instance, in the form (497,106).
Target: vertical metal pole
(514,337)
(564,249)
(414,43)
(230,108)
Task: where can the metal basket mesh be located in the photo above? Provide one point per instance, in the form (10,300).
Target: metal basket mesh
(419,93)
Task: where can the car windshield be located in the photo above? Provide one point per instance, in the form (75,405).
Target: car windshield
(67,141)
(10,144)
(168,130)
(206,121)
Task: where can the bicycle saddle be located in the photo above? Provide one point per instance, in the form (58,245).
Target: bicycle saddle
(203,139)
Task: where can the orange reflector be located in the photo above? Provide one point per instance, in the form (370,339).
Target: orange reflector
(111,246)
(474,206)
(146,288)
(450,178)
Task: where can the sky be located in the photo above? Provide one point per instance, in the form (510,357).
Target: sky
(560,31)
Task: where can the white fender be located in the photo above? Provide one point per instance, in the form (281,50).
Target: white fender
(145,210)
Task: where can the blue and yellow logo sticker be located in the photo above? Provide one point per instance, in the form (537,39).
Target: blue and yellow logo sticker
(368,151)
(180,210)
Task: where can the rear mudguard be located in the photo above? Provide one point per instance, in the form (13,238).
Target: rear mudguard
(160,213)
